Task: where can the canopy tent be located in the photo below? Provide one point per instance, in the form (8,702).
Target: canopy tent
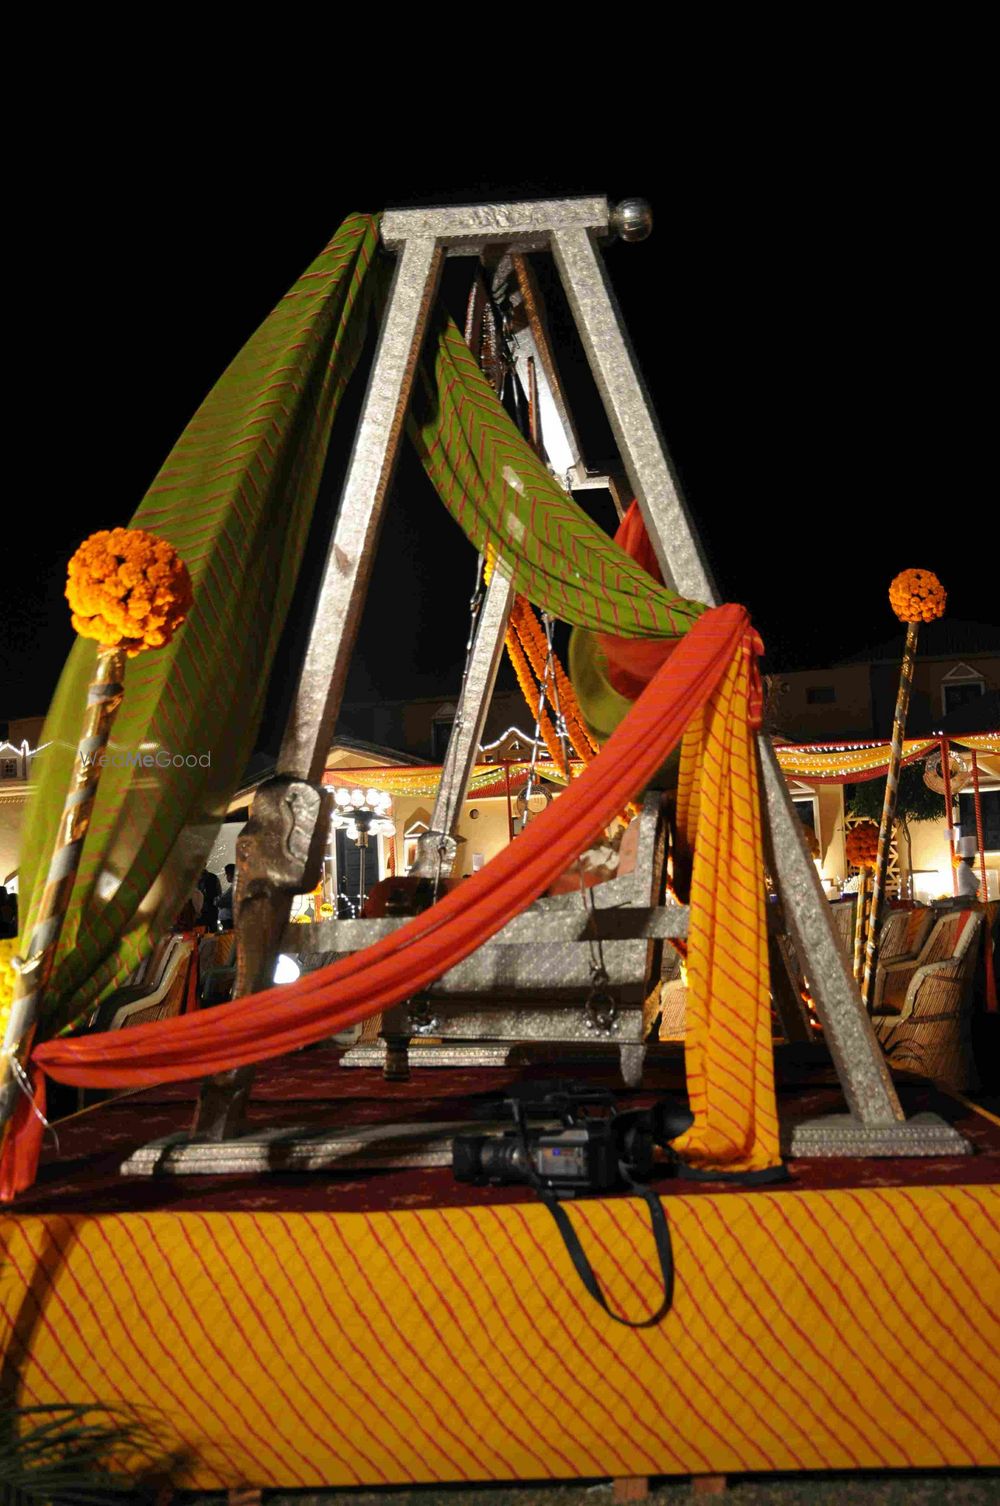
(853,763)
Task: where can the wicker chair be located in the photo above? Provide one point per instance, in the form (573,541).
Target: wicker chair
(904,935)
(921,1011)
(156,991)
(842,911)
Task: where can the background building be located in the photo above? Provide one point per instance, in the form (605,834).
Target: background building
(19,743)
(956,687)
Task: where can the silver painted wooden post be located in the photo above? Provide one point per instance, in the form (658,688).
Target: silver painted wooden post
(313,716)
(631,414)
(875,1115)
(864,1076)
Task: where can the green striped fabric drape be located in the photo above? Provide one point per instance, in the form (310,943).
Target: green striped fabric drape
(505,498)
(235,498)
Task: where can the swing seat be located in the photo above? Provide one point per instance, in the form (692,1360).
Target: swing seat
(532,982)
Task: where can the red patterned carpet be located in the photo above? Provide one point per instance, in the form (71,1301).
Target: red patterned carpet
(311,1089)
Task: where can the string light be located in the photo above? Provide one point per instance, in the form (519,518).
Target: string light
(25,753)
(523,737)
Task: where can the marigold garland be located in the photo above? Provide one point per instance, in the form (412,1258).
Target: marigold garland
(861,844)
(917,596)
(128,589)
(524,679)
(528,648)
(535,645)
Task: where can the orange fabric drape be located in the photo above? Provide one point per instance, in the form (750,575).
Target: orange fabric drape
(324,1002)
(630,663)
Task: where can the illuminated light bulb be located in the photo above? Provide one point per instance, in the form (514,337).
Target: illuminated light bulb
(372,798)
(286,969)
(357,797)
(343,797)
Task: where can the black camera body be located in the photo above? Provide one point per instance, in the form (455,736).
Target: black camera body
(594,1148)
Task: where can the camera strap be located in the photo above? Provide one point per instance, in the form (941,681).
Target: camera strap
(570,1238)
(583,1268)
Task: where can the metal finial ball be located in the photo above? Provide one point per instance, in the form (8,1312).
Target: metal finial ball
(632,219)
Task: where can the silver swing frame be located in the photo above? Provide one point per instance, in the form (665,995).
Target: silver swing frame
(279,852)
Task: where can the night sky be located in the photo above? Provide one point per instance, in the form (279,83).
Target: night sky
(808,324)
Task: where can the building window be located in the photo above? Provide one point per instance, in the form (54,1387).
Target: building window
(990,802)
(820,695)
(10,768)
(961,686)
(960,693)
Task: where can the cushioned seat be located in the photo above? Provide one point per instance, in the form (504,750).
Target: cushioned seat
(902,940)
(922,1013)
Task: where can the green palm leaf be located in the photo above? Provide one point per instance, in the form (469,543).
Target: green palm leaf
(60,1455)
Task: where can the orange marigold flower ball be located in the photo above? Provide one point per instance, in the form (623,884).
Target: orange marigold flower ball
(861,844)
(917,596)
(128,589)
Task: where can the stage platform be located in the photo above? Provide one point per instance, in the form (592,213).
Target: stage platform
(307,1330)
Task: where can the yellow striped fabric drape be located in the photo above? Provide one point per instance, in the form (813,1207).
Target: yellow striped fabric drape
(728,1049)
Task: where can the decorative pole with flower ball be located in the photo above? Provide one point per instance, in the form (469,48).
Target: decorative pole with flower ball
(861,851)
(130,591)
(916,596)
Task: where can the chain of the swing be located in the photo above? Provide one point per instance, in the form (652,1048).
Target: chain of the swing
(600,1012)
(549,677)
(600,1009)
(529,788)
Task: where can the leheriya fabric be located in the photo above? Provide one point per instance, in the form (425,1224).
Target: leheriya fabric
(630,663)
(608,671)
(728,1048)
(719,648)
(981,742)
(507,502)
(235,498)
(855,1328)
(603,707)
(848,765)
(422,783)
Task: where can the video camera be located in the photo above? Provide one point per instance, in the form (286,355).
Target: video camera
(569,1138)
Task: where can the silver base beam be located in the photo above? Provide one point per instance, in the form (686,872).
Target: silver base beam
(372,1147)
(843,1135)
